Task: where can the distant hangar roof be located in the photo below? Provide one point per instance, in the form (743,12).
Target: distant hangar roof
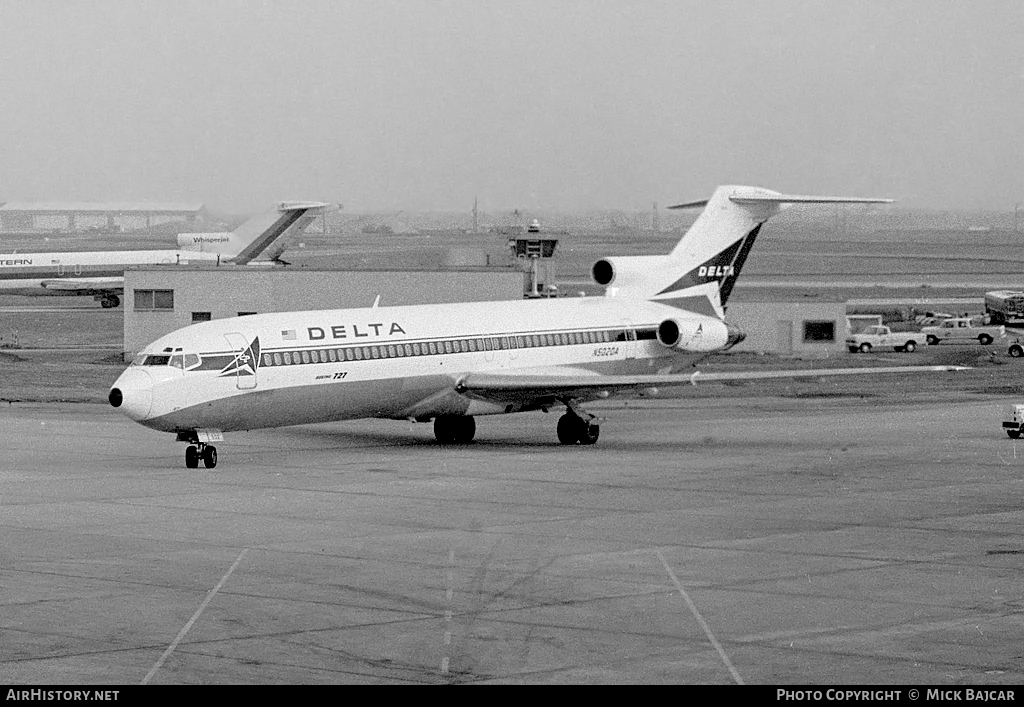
(99,206)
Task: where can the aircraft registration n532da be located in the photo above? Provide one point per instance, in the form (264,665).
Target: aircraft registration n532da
(100,274)
(451,362)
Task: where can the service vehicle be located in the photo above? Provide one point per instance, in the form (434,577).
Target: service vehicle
(1005,306)
(882,337)
(961,330)
(1014,422)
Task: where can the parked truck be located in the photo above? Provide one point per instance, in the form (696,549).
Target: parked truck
(881,337)
(1004,306)
(962,330)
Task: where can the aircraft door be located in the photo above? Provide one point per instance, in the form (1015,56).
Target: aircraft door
(247,359)
(627,339)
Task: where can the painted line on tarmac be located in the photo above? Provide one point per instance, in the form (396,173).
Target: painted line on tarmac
(701,621)
(446,660)
(195,617)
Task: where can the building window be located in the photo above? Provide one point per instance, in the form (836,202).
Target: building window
(198,316)
(154,299)
(819,332)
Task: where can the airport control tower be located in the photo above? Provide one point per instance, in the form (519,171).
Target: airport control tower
(534,252)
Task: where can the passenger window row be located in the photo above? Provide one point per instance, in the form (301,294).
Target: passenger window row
(448,346)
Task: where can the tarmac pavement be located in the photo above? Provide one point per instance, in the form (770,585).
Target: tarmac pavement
(754,540)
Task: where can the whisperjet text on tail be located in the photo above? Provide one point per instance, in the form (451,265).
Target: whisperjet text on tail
(100,274)
(451,362)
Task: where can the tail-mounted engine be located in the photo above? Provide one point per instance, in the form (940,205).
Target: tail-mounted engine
(626,272)
(701,335)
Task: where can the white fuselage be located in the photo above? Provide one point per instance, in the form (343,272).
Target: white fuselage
(31,273)
(393,362)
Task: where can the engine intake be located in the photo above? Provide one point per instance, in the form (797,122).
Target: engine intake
(631,271)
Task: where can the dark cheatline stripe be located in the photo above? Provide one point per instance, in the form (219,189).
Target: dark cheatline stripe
(50,272)
(272,234)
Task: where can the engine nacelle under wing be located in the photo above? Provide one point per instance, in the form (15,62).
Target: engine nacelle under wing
(698,335)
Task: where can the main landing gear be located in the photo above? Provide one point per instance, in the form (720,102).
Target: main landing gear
(206,452)
(577,426)
(454,429)
(109,301)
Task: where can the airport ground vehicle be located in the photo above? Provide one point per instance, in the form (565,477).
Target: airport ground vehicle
(881,337)
(1014,422)
(961,330)
(1005,306)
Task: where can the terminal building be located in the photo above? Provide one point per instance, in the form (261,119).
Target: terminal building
(67,217)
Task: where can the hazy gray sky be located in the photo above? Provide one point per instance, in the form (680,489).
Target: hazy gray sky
(549,104)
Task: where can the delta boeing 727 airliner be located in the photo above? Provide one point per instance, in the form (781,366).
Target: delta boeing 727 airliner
(452,362)
(100,274)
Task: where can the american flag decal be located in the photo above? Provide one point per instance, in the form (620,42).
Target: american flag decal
(288,334)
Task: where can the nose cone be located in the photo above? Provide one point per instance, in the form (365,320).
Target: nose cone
(132,393)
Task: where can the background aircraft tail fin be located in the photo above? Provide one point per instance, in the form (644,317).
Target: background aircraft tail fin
(268,234)
(262,237)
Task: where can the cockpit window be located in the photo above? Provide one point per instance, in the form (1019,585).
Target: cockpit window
(157,360)
(191,361)
(176,361)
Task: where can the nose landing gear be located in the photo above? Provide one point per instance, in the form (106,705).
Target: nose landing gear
(199,447)
(206,452)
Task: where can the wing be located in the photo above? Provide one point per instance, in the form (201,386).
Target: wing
(538,388)
(86,285)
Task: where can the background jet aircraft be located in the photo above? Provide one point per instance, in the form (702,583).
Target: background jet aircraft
(100,274)
(451,362)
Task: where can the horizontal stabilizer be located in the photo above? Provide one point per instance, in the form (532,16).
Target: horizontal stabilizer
(799,199)
(690,205)
(785,199)
(303,205)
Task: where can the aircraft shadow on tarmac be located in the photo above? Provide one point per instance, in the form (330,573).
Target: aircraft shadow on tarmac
(399,438)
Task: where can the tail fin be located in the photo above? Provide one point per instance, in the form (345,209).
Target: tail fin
(701,271)
(264,236)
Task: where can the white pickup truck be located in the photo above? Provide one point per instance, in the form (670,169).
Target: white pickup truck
(881,337)
(962,330)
